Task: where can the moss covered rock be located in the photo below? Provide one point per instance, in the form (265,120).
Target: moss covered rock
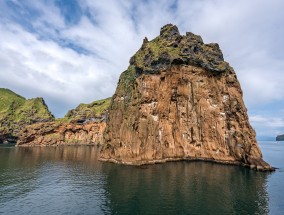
(94,110)
(17,112)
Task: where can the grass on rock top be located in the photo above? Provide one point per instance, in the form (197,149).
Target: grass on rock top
(83,111)
(8,98)
(15,108)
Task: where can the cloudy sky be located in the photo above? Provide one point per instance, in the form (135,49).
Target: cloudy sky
(73,51)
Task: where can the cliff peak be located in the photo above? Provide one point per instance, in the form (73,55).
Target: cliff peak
(169,32)
(171,48)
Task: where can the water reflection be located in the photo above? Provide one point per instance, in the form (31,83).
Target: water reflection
(58,180)
(186,188)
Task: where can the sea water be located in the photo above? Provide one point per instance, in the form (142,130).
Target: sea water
(71,180)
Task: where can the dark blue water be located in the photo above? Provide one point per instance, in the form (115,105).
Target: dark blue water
(70,180)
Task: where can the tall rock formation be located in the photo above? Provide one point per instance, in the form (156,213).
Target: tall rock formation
(83,125)
(179,100)
(17,112)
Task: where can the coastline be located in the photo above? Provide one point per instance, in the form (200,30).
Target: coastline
(160,161)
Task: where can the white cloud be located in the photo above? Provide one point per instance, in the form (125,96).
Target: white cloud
(267,125)
(39,62)
(44,68)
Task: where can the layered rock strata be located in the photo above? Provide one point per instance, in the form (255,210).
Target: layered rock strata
(83,125)
(55,134)
(179,100)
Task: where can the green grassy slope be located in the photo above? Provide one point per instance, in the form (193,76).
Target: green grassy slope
(85,111)
(16,112)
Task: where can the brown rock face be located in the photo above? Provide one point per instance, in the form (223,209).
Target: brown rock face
(83,125)
(52,133)
(179,100)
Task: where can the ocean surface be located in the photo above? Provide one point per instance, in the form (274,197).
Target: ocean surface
(70,180)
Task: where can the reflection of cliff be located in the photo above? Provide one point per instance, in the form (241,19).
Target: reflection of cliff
(50,180)
(186,188)
(35,155)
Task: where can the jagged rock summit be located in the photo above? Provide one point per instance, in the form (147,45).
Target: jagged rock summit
(179,100)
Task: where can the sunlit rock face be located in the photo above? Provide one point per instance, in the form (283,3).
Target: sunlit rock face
(58,133)
(179,100)
(83,125)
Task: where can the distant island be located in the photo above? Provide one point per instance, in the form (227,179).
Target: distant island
(178,100)
(280,137)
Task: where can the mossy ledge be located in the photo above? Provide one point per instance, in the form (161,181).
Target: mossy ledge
(170,48)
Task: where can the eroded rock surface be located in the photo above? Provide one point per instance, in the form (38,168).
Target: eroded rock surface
(179,100)
(54,133)
(83,125)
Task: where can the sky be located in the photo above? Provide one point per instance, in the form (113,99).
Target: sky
(73,51)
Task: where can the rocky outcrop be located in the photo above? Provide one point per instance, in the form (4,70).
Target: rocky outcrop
(58,133)
(280,137)
(16,112)
(179,100)
(83,125)
(93,112)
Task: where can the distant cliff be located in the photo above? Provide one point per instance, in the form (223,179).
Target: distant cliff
(280,137)
(179,100)
(83,125)
(95,109)
(17,112)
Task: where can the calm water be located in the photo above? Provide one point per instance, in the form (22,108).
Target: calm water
(70,180)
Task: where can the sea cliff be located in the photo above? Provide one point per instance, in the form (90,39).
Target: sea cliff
(179,100)
(83,125)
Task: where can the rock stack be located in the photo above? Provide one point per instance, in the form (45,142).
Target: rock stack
(179,100)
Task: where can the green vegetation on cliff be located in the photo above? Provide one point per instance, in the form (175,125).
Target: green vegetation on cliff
(171,48)
(86,111)
(16,112)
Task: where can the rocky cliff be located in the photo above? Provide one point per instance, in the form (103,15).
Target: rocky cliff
(90,112)
(62,133)
(16,112)
(83,125)
(179,100)
(280,137)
